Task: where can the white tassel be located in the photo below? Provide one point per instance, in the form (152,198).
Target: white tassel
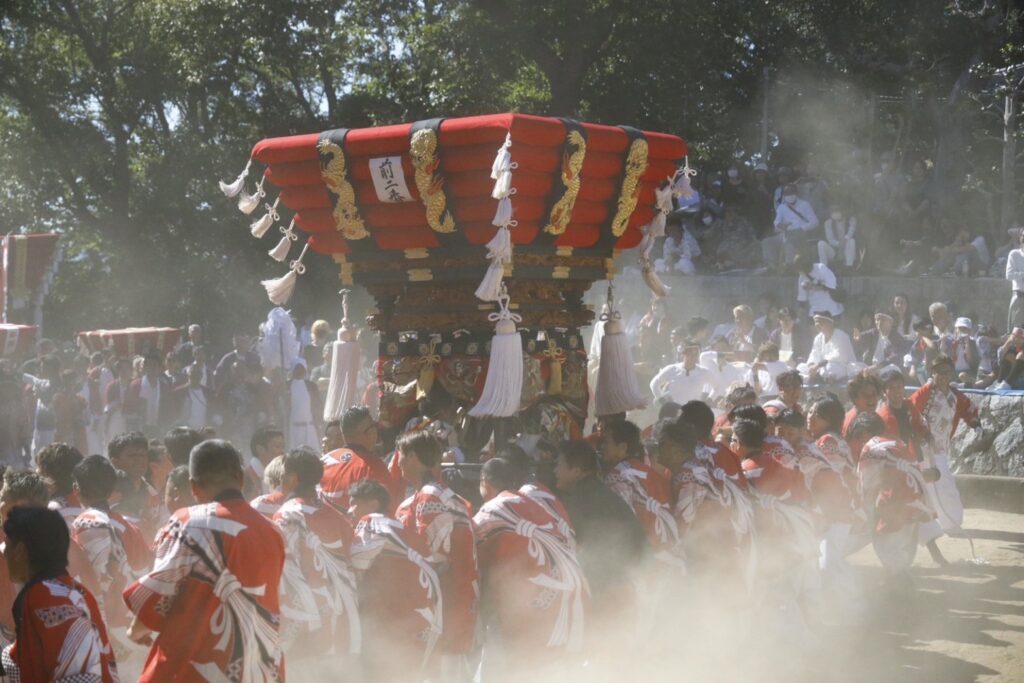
(280,252)
(502,185)
(504,213)
(663,207)
(232,189)
(247,203)
(259,228)
(503,387)
(617,389)
(279,290)
(499,251)
(503,158)
(684,174)
(345,365)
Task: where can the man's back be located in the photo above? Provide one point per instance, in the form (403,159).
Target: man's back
(213,595)
(344,467)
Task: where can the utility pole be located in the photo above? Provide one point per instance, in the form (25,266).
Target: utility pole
(1013,79)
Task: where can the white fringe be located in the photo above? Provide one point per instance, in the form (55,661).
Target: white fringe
(502,185)
(232,189)
(280,252)
(503,159)
(259,228)
(503,387)
(617,389)
(279,290)
(341,392)
(503,216)
(247,203)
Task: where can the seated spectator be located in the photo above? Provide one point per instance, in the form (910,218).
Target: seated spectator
(724,373)
(905,319)
(793,342)
(817,286)
(683,381)
(964,256)
(963,351)
(882,347)
(988,341)
(698,329)
(832,357)
(679,251)
(1011,362)
(839,242)
(1002,252)
(938,313)
(765,369)
(744,337)
(923,349)
(794,222)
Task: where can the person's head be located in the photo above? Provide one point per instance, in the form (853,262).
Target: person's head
(689,353)
(152,365)
(789,195)
(790,425)
(418,454)
(740,395)
(743,316)
(195,334)
(883,323)
(96,359)
(963,327)
(267,443)
(496,475)
(301,471)
(698,415)
(273,473)
(177,493)
(299,369)
(923,329)
(129,452)
(939,315)
(791,386)
(767,353)
(359,429)
(621,440)
(171,363)
(893,387)
(901,304)
(575,460)
(321,332)
(824,323)
(864,391)
(866,426)
(22,489)
(332,438)
(826,415)
(787,319)
(194,373)
(698,328)
(56,465)
(368,497)
(95,479)
(123,369)
(750,412)
(669,410)
(747,437)
(214,467)
(179,443)
(677,443)
(37,543)
(241,343)
(942,372)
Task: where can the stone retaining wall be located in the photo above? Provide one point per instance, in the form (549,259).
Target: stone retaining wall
(998,447)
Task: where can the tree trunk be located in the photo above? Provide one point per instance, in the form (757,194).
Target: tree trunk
(1008,212)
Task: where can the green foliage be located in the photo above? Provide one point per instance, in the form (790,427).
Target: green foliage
(117,117)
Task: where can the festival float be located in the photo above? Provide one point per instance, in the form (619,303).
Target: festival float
(28,264)
(477,238)
(131,341)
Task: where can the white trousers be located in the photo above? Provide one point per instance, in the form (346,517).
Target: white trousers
(826,252)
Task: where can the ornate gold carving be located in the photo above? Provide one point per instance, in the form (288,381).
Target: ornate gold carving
(423,150)
(572,163)
(563,251)
(420,274)
(560,272)
(636,164)
(347,220)
(415,253)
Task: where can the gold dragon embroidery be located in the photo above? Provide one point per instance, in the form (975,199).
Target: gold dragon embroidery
(346,215)
(423,150)
(561,212)
(636,164)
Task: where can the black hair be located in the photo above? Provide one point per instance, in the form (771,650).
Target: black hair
(262,436)
(179,443)
(96,478)
(518,461)
(368,488)
(749,433)
(579,454)
(178,477)
(423,445)
(306,465)
(700,416)
(891,375)
(681,432)
(941,360)
(124,440)
(44,534)
(866,425)
(27,488)
(57,463)
(754,413)
(215,462)
(498,472)
(695,325)
(352,418)
(790,418)
(789,378)
(860,382)
(669,410)
(830,409)
(628,433)
(744,392)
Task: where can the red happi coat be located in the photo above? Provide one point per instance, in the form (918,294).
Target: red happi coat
(720,457)
(649,494)
(442,519)
(68,506)
(893,485)
(319,602)
(400,598)
(212,596)
(344,467)
(117,552)
(269,503)
(918,428)
(836,491)
(530,578)
(964,410)
(153,514)
(774,471)
(60,634)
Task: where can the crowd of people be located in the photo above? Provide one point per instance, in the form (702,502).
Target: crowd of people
(369,553)
(892,221)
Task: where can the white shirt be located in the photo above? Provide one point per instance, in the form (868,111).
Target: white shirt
(843,230)
(681,385)
(722,377)
(1015,269)
(818,299)
(880,346)
(837,349)
(798,217)
(766,378)
(195,414)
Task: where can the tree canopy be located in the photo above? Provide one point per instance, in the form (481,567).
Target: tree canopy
(117,117)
